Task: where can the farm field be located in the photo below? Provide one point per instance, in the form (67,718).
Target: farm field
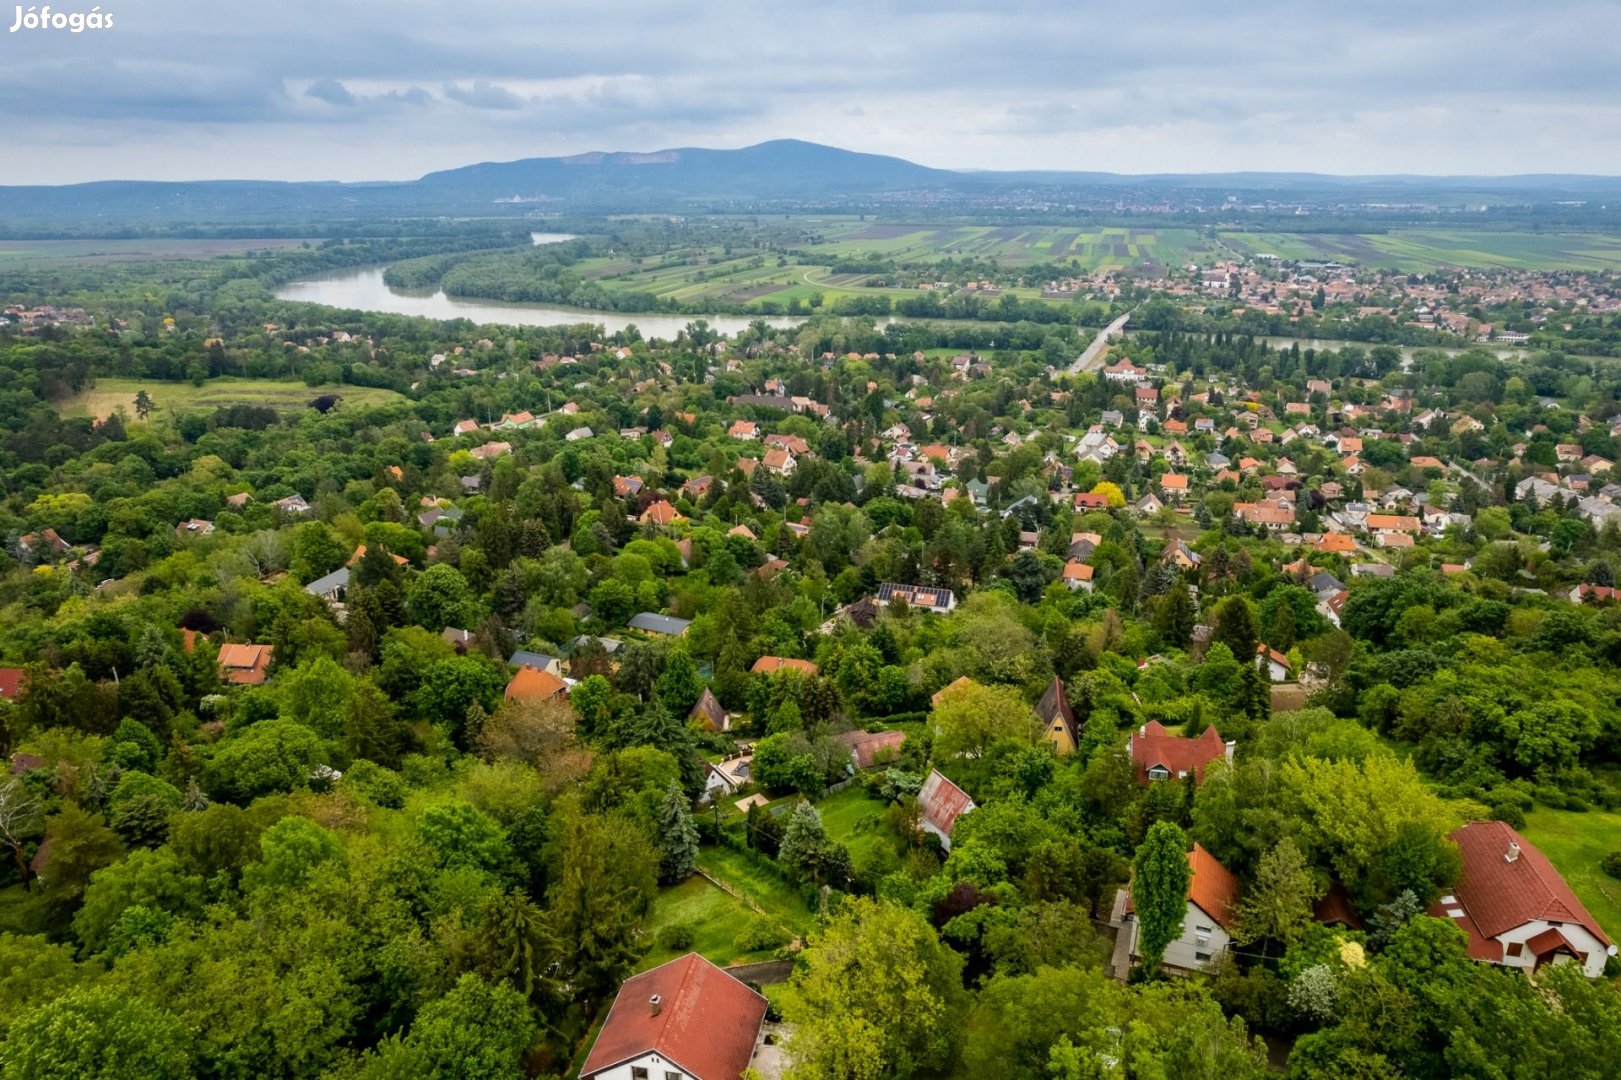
(1428,249)
(282,394)
(20,252)
(806,273)
(1575,842)
(1019,245)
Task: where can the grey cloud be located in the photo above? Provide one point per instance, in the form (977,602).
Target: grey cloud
(484,95)
(332,92)
(1159,85)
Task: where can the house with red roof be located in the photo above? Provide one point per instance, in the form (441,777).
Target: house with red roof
(1515,907)
(12,680)
(531,683)
(245,665)
(770,665)
(1212,914)
(1271,661)
(1159,755)
(868,747)
(942,803)
(687,1018)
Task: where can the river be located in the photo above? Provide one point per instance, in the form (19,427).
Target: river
(365,290)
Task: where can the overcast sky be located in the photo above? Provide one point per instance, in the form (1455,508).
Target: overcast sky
(327,89)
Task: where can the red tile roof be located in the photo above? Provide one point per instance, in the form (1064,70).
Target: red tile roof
(943,802)
(867,745)
(706,1024)
(1152,745)
(248,665)
(1212,886)
(1500,894)
(11,682)
(532,684)
(770,664)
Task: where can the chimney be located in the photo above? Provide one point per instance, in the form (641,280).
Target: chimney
(1228,748)
(1513,852)
(654,1004)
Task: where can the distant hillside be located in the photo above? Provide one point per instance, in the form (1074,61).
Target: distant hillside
(782,171)
(784,168)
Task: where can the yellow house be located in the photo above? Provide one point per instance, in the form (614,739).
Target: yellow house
(1058,719)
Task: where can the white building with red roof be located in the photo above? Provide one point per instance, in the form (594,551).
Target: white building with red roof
(1515,907)
(1211,915)
(1159,755)
(942,803)
(686,1019)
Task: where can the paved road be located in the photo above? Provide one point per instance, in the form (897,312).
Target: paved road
(1100,346)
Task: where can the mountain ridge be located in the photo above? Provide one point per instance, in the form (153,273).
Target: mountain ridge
(779,170)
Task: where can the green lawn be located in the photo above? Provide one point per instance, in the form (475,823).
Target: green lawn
(716,919)
(770,892)
(286,395)
(1574,843)
(856,820)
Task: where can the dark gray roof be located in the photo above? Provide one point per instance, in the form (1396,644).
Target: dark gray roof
(325,586)
(660,624)
(609,645)
(533,659)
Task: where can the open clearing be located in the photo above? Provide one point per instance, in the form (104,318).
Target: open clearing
(770,892)
(15,252)
(1575,842)
(716,919)
(283,395)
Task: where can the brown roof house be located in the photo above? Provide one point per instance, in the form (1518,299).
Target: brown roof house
(1058,719)
(687,1019)
(708,714)
(534,684)
(869,748)
(246,665)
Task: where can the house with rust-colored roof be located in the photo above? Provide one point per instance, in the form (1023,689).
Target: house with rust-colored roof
(687,1018)
(867,747)
(1516,909)
(770,665)
(12,681)
(1211,915)
(942,803)
(534,684)
(1159,755)
(246,665)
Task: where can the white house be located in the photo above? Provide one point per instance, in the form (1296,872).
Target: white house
(1516,909)
(1211,914)
(1271,661)
(684,1020)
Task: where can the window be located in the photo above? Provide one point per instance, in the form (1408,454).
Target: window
(1515,948)
(1201,936)
(638,1072)
(671,1075)
(1159,772)
(1201,956)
